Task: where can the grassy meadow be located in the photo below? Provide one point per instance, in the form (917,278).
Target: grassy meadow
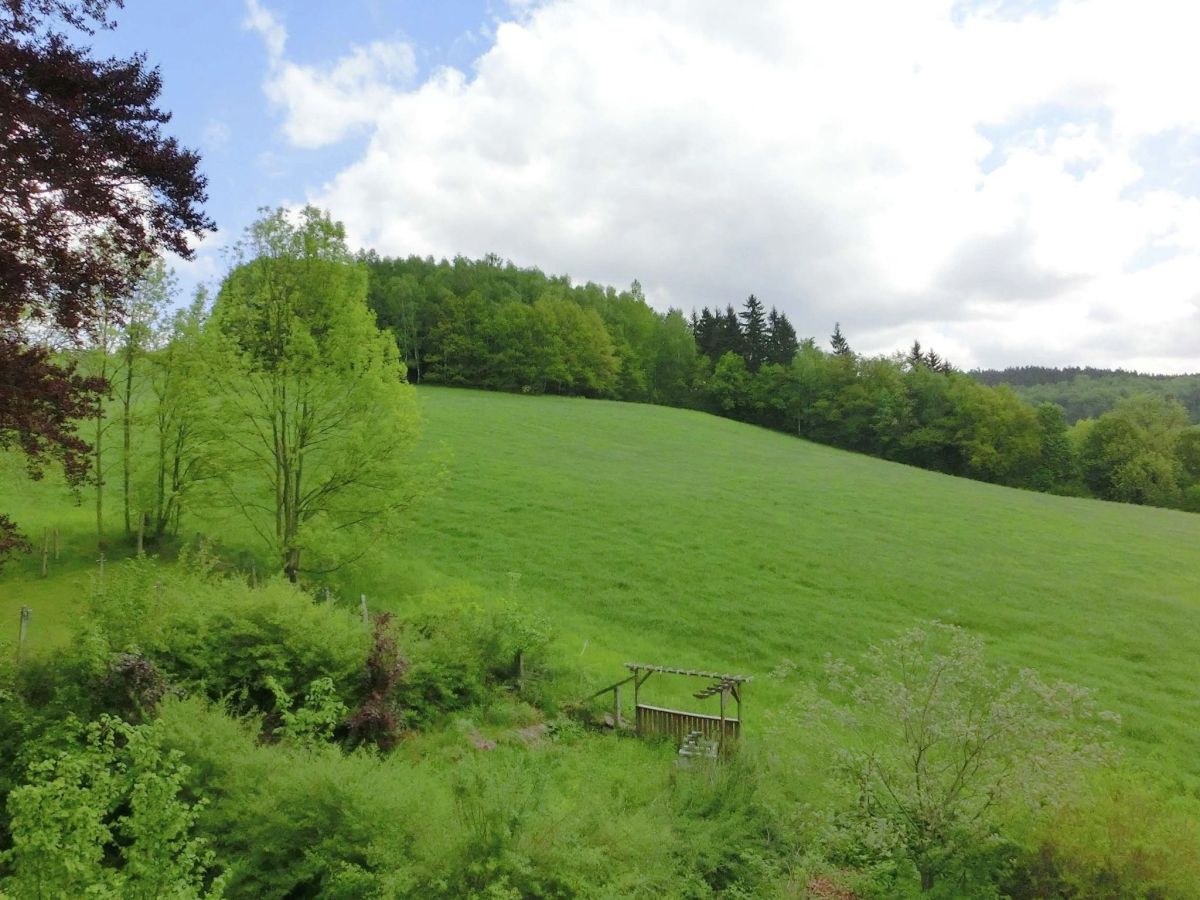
(668,536)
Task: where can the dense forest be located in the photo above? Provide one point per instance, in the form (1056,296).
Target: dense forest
(490,324)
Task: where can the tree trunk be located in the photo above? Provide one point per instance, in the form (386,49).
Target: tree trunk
(926,878)
(126,427)
(99,448)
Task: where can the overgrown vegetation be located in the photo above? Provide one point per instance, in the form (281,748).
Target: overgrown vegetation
(247,776)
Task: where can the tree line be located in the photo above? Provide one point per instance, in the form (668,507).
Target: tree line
(490,324)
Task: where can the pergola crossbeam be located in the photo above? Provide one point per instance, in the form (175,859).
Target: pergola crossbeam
(695,673)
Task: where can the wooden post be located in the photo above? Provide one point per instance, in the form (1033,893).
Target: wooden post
(721,739)
(56,545)
(23,633)
(102,570)
(45,552)
(326,593)
(141,535)
(362,598)
(616,707)
(520,670)
(253,575)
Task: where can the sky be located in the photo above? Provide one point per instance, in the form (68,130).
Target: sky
(1012,182)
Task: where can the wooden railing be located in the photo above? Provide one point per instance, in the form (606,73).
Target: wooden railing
(655,721)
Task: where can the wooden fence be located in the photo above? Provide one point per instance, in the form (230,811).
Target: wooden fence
(655,721)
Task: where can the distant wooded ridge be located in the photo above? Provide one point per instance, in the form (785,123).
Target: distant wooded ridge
(1087,392)
(1032,375)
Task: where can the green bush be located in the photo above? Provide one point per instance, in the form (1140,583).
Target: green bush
(1126,836)
(461,652)
(105,816)
(598,816)
(221,638)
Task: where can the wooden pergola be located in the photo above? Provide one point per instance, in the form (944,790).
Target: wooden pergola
(659,721)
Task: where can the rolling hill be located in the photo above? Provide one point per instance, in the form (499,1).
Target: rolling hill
(675,537)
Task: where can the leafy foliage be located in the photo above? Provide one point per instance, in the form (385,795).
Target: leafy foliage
(107,817)
(309,398)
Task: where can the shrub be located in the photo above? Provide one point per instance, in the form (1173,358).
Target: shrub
(222,638)
(932,747)
(461,652)
(105,817)
(1125,836)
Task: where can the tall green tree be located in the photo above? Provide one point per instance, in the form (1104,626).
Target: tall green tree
(838,342)
(181,457)
(781,339)
(314,409)
(755,336)
(152,294)
(1130,454)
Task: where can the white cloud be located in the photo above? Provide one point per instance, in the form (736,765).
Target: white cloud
(322,105)
(260,19)
(910,169)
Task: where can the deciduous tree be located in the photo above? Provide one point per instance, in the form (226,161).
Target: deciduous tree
(314,410)
(932,741)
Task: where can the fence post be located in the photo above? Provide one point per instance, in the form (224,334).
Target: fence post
(56,545)
(23,633)
(362,598)
(45,552)
(617,707)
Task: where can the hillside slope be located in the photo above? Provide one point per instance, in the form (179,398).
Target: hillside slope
(670,536)
(676,537)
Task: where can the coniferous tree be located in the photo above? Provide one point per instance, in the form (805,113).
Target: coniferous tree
(841,347)
(705,331)
(933,360)
(916,356)
(781,340)
(754,333)
(728,337)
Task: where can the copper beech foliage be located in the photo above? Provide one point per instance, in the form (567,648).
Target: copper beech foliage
(90,188)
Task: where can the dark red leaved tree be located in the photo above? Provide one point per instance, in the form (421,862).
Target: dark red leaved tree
(90,188)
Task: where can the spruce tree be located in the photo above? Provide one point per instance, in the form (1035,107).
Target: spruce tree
(754,333)
(728,334)
(841,347)
(781,339)
(704,329)
(916,356)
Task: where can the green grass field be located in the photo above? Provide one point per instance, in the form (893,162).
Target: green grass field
(674,537)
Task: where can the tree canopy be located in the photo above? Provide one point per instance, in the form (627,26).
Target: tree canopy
(309,398)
